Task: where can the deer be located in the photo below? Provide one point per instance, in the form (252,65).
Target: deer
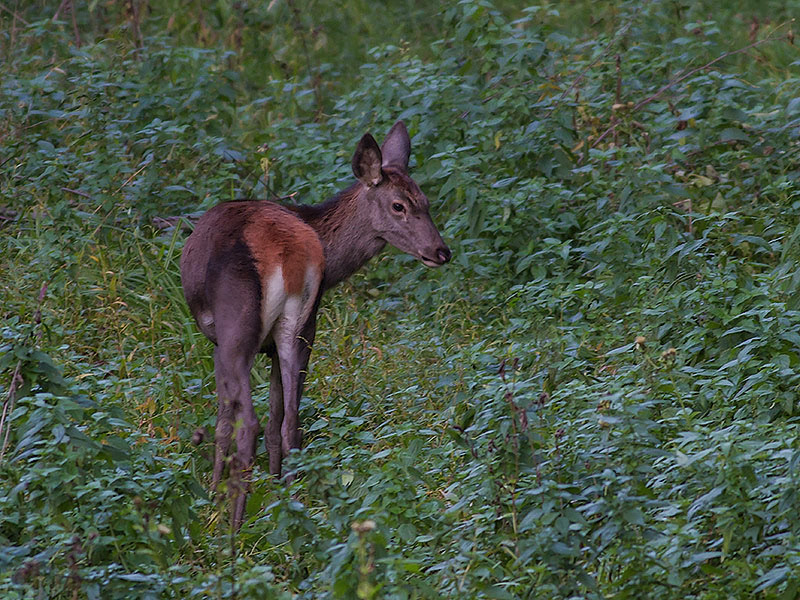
(253,273)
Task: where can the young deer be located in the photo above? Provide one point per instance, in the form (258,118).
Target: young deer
(253,273)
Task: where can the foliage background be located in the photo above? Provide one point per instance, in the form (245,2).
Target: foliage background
(596,399)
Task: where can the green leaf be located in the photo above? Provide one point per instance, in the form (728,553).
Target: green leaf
(771,578)
(731,134)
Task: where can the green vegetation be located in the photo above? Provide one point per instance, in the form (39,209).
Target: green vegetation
(598,397)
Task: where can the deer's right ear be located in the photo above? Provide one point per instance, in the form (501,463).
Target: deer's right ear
(367,161)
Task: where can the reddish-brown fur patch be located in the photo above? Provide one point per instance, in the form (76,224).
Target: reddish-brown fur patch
(275,237)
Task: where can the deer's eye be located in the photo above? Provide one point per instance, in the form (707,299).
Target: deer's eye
(398,208)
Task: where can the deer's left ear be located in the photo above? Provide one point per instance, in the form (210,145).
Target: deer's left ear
(396,147)
(367,161)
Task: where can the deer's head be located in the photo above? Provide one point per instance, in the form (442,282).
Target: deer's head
(398,209)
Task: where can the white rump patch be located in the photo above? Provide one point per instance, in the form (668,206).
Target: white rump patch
(273,296)
(288,325)
(311,283)
(284,315)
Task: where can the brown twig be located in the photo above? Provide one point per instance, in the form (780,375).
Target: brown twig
(7,215)
(602,55)
(263,181)
(58,10)
(313,74)
(184,222)
(686,206)
(12,12)
(677,80)
(77,192)
(16,378)
(618,95)
(135,19)
(8,406)
(129,179)
(69,6)
(75,24)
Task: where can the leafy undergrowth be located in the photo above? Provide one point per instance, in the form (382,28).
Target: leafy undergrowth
(597,398)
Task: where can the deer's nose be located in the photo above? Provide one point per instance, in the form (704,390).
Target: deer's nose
(443,254)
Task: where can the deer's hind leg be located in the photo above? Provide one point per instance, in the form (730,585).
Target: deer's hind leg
(272,433)
(293,335)
(236,420)
(238,331)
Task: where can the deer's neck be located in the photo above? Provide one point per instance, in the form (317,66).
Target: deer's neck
(347,235)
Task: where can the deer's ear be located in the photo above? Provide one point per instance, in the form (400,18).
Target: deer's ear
(397,147)
(367,161)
